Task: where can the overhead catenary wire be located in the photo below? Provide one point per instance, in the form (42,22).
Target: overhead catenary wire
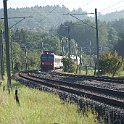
(81,14)
(43,19)
(44,1)
(22,18)
(18,17)
(16,23)
(52,10)
(80,20)
(56,6)
(111,6)
(90,1)
(113,9)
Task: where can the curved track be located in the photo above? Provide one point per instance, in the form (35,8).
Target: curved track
(85,88)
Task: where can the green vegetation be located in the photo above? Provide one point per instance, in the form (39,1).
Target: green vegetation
(49,31)
(48,27)
(69,65)
(44,18)
(110,63)
(38,107)
(50,16)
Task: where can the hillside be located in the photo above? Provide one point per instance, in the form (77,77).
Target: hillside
(47,17)
(43,18)
(112,16)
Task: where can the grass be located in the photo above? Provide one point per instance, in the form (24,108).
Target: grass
(38,107)
(91,73)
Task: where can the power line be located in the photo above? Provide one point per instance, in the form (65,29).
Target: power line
(114,9)
(16,23)
(44,1)
(52,10)
(56,6)
(90,1)
(80,19)
(22,18)
(77,14)
(97,37)
(19,21)
(112,5)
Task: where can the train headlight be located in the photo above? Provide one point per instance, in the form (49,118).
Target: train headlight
(42,63)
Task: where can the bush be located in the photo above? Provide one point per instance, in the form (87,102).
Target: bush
(69,65)
(110,63)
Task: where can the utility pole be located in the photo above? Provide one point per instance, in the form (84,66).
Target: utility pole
(69,49)
(66,47)
(90,53)
(80,65)
(42,49)
(97,42)
(62,46)
(26,61)
(1,55)
(76,51)
(97,38)
(6,32)
(2,58)
(12,61)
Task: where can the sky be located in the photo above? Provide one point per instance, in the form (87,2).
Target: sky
(103,6)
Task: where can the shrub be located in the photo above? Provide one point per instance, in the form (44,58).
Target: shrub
(110,63)
(69,65)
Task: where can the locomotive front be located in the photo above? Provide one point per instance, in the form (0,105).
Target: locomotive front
(47,61)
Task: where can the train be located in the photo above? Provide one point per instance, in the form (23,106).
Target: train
(52,61)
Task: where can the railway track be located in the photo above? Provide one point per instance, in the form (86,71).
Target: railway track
(110,97)
(118,80)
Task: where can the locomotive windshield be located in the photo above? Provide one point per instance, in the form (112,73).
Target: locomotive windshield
(47,57)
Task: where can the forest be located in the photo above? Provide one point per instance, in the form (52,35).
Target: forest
(49,29)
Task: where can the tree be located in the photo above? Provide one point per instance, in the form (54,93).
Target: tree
(119,46)
(84,33)
(33,60)
(112,37)
(51,43)
(18,56)
(32,41)
(1,25)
